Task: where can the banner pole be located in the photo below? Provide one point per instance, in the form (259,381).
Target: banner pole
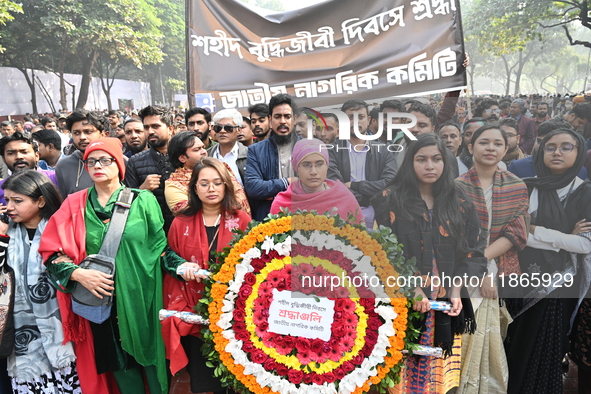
(468,96)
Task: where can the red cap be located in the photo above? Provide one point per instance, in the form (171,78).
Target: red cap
(113,147)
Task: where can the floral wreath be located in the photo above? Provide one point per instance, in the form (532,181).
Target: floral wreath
(362,344)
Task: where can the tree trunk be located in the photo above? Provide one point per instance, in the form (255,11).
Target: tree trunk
(87,65)
(31,83)
(508,74)
(520,63)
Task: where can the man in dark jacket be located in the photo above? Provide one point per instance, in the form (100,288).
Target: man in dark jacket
(85,127)
(151,168)
(365,167)
(268,167)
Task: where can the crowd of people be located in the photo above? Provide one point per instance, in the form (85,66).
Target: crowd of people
(503,192)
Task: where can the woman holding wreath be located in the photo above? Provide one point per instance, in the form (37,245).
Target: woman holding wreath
(438,225)
(201,229)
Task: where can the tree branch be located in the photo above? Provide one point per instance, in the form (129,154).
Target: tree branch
(575,42)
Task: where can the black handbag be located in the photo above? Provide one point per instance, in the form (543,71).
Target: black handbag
(84,303)
(6,310)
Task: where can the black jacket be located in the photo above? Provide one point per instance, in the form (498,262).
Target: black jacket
(380,169)
(146,163)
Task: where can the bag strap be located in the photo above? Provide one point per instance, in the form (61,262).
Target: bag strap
(112,239)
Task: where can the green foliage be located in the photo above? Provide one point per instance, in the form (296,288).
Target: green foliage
(6,7)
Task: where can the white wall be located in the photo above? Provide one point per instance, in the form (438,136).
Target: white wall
(15,95)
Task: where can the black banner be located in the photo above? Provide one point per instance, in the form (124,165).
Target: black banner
(323,54)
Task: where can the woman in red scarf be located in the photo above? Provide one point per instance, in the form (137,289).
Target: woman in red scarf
(312,191)
(203,228)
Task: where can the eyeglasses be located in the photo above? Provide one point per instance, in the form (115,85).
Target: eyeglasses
(490,111)
(207,185)
(511,135)
(564,148)
(308,166)
(228,128)
(104,161)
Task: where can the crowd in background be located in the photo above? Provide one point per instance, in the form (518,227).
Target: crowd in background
(496,188)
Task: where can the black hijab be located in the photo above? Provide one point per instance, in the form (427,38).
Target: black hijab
(550,211)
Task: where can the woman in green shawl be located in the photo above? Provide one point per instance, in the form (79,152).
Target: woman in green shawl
(128,345)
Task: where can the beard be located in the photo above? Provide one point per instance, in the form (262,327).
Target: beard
(137,149)
(542,114)
(258,132)
(282,140)
(158,143)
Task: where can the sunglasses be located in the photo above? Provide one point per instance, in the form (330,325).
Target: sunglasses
(228,128)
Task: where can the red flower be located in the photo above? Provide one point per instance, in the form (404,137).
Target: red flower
(302,344)
(265,290)
(307,378)
(323,254)
(367,302)
(282,285)
(303,356)
(295,283)
(240,303)
(295,376)
(374,323)
(242,335)
(346,264)
(257,265)
(348,366)
(329,377)
(322,291)
(238,314)
(258,318)
(335,353)
(358,359)
(306,269)
(318,379)
(282,370)
(289,341)
(341,292)
(270,365)
(258,356)
(245,291)
(371,337)
(316,346)
(250,279)
(346,344)
(339,373)
(239,326)
(248,347)
(274,278)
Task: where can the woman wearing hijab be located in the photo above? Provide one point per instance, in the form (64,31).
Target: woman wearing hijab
(559,205)
(439,227)
(312,191)
(203,228)
(501,201)
(128,345)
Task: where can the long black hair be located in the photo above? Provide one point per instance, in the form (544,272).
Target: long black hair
(229,202)
(34,184)
(406,197)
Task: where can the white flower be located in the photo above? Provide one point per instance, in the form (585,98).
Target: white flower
(283,248)
(232,346)
(229,335)
(234,286)
(225,320)
(387,312)
(267,244)
(253,253)
(228,306)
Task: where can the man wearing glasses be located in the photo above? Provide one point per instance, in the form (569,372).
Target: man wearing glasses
(509,126)
(226,125)
(488,109)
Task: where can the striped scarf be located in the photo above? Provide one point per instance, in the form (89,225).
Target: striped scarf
(510,219)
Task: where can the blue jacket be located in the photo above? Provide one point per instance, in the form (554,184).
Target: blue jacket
(262,182)
(524,168)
